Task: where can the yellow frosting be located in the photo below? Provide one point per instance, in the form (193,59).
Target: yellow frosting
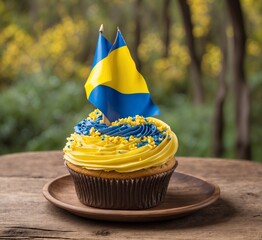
(118,154)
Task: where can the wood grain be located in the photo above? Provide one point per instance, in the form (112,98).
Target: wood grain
(26,214)
(185,194)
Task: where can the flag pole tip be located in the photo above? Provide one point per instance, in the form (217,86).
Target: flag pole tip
(118,29)
(101,29)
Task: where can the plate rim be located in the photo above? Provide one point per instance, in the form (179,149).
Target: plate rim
(91,212)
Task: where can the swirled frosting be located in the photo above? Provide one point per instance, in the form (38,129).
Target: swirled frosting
(127,145)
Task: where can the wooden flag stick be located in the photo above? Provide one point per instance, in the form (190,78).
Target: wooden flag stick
(106,121)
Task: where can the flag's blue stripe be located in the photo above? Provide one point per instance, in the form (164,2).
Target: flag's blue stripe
(118,105)
(102,49)
(119,42)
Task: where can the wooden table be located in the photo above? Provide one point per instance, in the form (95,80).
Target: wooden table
(26,214)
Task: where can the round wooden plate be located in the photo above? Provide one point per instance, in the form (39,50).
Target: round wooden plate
(185,194)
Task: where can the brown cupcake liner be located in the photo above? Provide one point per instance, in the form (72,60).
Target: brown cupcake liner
(134,193)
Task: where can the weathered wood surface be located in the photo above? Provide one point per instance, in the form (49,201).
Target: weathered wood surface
(26,214)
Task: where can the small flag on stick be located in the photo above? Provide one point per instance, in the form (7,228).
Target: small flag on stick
(114,85)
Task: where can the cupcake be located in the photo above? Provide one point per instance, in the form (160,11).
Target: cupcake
(125,165)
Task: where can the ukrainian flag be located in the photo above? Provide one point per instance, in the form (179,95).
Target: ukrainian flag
(114,85)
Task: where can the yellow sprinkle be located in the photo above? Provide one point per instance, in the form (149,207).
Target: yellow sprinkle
(160,128)
(92,129)
(132,147)
(152,144)
(78,144)
(93,115)
(150,139)
(144,139)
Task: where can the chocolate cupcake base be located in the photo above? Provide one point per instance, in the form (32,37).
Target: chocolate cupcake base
(134,193)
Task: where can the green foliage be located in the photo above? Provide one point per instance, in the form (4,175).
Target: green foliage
(38,113)
(192,124)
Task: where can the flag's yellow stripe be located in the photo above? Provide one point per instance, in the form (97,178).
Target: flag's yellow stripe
(117,71)
(100,74)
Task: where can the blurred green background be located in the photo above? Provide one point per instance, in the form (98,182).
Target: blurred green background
(46,51)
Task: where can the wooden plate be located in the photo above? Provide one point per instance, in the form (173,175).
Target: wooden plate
(185,194)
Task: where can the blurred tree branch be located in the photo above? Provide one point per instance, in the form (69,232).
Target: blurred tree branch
(167,24)
(241,90)
(195,61)
(218,119)
(137,39)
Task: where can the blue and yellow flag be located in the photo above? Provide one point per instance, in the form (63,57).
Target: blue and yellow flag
(114,85)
